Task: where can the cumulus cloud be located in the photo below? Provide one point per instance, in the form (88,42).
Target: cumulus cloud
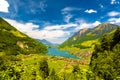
(114,21)
(87,25)
(51,34)
(24,27)
(4,6)
(113,13)
(90,11)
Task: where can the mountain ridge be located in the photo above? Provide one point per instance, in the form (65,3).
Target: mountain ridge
(88,35)
(45,42)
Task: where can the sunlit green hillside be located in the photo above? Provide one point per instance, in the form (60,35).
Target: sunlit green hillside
(86,37)
(14,42)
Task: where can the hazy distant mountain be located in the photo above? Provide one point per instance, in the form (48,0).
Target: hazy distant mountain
(14,42)
(47,42)
(88,36)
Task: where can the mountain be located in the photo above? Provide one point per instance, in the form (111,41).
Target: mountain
(47,42)
(86,37)
(13,42)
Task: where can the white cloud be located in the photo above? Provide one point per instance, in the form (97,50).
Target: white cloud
(66,12)
(101,5)
(43,6)
(68,9)
(79,20)
(90,11)
(54,33)
(15,6)
(60,27)
(87,25)
(114,2)
(4,6)
(114,21)
(35,7)
(67,18)
(113,13)
(59,40)
(23,27)
(55,36)
(49,34)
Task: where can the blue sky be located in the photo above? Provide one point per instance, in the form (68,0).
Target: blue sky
(57,20)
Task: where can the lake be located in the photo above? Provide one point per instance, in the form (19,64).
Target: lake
(61,53)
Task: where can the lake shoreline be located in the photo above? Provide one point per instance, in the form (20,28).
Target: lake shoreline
(61,53)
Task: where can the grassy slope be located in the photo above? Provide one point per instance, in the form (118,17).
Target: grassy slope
(27,66)
(61,66)
(86,37)
(14,42)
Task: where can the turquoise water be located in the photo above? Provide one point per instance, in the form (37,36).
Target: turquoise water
(61,53)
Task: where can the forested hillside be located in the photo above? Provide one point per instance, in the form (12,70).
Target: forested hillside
(105,60)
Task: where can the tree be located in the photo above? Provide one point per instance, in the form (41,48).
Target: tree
(106,57)
(53,75)
(106,42)
(116,37)
(43,68)
(76,69)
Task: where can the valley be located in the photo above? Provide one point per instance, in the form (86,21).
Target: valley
(90,54)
